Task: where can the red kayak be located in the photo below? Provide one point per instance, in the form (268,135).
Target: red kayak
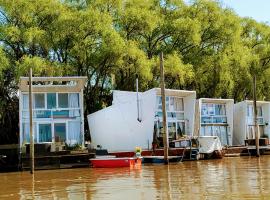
(115,162)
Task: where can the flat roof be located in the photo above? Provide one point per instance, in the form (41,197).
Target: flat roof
(53,84)
(174,92)
(216,100)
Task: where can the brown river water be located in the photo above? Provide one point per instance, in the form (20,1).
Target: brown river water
(228,178)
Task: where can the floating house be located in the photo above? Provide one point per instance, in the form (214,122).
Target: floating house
(244,120)
(134,120)
(214,117)
(57,110)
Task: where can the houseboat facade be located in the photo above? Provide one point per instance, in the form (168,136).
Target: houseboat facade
(130,122)
(244,121)
(214,117)
(57,110)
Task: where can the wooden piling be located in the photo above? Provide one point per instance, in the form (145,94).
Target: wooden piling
(256,127)
(31,124)
(163,97)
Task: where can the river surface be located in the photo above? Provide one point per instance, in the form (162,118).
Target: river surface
(228,178)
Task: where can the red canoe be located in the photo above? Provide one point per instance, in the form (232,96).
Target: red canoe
(115,162)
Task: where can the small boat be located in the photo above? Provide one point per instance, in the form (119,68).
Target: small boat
(111,162)
(160,159)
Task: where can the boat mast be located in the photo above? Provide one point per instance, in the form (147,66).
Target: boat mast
(163,97)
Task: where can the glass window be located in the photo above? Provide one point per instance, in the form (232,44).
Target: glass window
(206,130)
(45,132)
(211,109)
(25,132)
(180,116)
(261,130)
(259,111)
(158,103)
(51,100)
(172,108)
(63,100)
(171,114)
(39,100)
(42,114)
(204,109)
(206,120)
(180,129)
(220,109)
(172,130)
(250,111)
(74,132)
(25,101)
(220,120)
(159,115)
(167,103)
(178,104)
(60,132)
(61,114)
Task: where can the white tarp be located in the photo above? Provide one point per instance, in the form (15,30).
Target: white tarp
(208,144)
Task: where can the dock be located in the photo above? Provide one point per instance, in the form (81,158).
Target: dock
(58,160)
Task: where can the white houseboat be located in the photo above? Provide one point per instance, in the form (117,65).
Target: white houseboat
(214,117)
(130,122)
(57,110)
(244,121)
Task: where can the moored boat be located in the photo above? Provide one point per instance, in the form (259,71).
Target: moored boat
(111,162)
(160,159)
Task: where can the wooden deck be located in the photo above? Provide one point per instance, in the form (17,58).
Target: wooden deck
(58,161)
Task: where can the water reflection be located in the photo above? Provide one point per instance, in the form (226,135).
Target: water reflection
(230,178)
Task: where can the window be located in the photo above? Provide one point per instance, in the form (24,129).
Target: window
(63,100)
(220,109)
(250,111)
(39,100)
(25,101)
(45,132)
(51,100)
(74,132)
(180,129)
(26,132)
(60,132)
(213,113)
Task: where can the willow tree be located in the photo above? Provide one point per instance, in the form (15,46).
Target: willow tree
(207,48)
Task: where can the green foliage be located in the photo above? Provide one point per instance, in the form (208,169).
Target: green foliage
(206,48)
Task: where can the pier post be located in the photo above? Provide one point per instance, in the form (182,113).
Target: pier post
(256,127)
(31,123)
(164,112)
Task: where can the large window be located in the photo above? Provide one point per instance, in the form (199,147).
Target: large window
(51,100)
(213,113)
(259,115)
(60,132)
(39,101)
(220,131)
(25,101)
(175,116)
(63,100)
(45,132)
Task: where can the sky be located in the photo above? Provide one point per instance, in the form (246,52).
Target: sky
(256,9)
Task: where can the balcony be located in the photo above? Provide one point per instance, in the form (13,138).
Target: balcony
(53,113)
(214,120)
